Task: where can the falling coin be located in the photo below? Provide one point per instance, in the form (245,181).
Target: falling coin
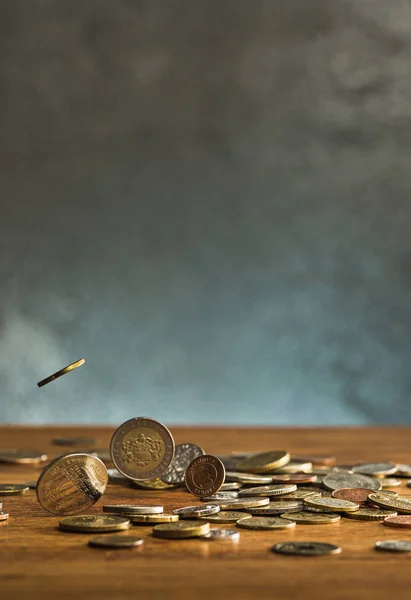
(222,535)
(263,523)
(182,529)
(12,489)
(394,546)
(136,509)
(115,541)
(205,475)
(94,523)
(58,374)
(306,548)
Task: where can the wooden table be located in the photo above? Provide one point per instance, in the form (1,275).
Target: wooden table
(35,557)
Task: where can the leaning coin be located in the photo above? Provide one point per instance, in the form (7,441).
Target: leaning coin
(400,521)
(115,541)
(331,504)
(67,369)
(306,548)
(230,486)
(182,529)
(222,535)
(226,516)
(394,545)
(3,516)
(265,523)
(161,518)
(311,518)
(71,484)
(184,455)
(375,469)
(130,509)
(142,448)
(277,508)
(22,457)
(397,503)
(344,479)
(220,496)
(12,489)
(294,478)
(205,475)
(90,523)
(264,461)
(193,512)
(239,503)
(370,514)
(268,490)
(358,495)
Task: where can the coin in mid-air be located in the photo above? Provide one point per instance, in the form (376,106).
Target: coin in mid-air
(58,374)
(181,529)
(142,448)
(183,456)
(12,489)
(306,548)
(71,483)
(193,512)
(265,523)
(396,503)
(22,457)
(221,535)
(94,523)
(205,475)
(400,521)
(264,462)
(226,516)
(344,479)
(370,514)
(394,545)
(136,509)
(115,540)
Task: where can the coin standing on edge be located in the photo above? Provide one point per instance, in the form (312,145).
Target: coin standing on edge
(205,475)
(142,448)
(306,548)
(115,541)
(58,374)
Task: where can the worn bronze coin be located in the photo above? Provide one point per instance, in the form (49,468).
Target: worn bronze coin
(400,521)
(94,523)
(306,548)
(370,514)
(181,529)
(263,523)
(358,495)
(71,483)
(142,448)
(264,462)
(183,457)
(12,489)
(116,541)
(205,475)
(58,374)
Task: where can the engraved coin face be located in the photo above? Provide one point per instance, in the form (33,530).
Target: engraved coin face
(71,484)
(397,503)
(184,455)
(142,448)
(116,541)
(306,548)
(358,495)
(205,475)
(94,523)
(12,489)
(394,546)
(192,512)
(344,479)
(221,535)
(370,514)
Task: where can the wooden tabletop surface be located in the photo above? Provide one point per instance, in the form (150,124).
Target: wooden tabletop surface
(36,558)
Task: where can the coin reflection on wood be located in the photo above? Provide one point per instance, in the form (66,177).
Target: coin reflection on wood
(58,374)
(205,475)
(71,484)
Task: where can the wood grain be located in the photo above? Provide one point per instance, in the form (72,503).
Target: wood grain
(36,558)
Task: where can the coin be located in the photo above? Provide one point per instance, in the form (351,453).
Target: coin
(67,369)
(192,512)
(248,478)
(403,471)
(277,508)
(151,484)
(331,504)
(397,503)
(31,484)
(317,460)
(296,467)
(142,448)
(358,495)
(312,518)
(115,541)
(184,455)
(220,496)
(400,521)
(268,490)
(306,548)
(205,475)
(91,523)
(343,479)
(160,518)
(264,461)
(136,509)
(388,482)
(238,503)
(230,485)
(3,516)
(22,457)
(394,545)
(265,523)
(73,441)
(226,516)
(182,529)
(299,494)
(375,469)
(370,514)
(294,478)
(71,483)
(222,535)
(12,489)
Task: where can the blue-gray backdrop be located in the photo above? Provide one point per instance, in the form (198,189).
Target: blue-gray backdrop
(210,202)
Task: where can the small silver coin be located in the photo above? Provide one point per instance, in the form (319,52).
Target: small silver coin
(133,509)
(183,456)
(193,512)
(221,496)
(268,490)
(248,478)
(230,486)
(394,546)
(338,479)
(306,548)
(222,535)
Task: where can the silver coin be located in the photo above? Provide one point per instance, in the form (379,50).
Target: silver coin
(222,535)
(389,482)
(403,471)
(375,469)
(184,455)
(221,496)
(230,485)
(306,548)
(344,479)
(133,509)
(268,490)
(247,478)
(193,512)
(394,545)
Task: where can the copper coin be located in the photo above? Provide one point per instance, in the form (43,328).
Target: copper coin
(205,475)
(294,478)
(400,521)
(357,495)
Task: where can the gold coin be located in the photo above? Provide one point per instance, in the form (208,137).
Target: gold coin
(397,503)
(71,483)
(163,518)
(182,529)
(312,518)
(226,516)
(375,469)
(58,374)
(115,541)
(142,448)
(12,489)
(94,523)
(152,484)
(331,504)
(265,523)
(264,461)
(239,503)
(22,457)
(299,494)
(268,490)
(205,475)
(247,478)
(133,509)
(370,514)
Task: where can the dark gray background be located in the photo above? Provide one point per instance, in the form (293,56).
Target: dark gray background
(210,202)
